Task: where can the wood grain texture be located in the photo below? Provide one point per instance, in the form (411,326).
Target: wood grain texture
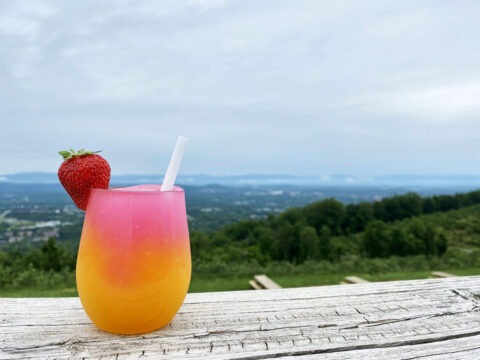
(434,319)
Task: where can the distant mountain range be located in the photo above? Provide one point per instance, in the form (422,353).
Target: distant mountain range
(263,179)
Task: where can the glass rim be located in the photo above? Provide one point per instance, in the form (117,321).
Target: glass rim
(175,189)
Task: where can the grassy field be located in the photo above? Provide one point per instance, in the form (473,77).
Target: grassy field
(333,279)
(32,292)
(466,272)
(221,283)
(240,282)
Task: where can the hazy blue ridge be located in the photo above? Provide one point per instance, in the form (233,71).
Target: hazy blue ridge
(266,179)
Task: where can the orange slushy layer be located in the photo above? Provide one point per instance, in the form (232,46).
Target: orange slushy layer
(134,266)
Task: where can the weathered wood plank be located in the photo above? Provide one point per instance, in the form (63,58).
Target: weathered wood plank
(355,280)
(441,274)
(255,285)
(390,320)
(266,282)
(460,348)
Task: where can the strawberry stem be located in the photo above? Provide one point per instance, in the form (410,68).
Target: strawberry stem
(72,153)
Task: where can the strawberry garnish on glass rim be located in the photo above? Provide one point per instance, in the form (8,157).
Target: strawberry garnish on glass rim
(82,171)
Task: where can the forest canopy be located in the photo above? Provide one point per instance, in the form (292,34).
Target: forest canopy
(326,234)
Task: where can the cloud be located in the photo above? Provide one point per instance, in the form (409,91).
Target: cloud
(17,26)
(308,87)
(23,18)
(447,103)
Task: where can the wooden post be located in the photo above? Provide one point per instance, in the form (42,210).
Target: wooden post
(265,282)
(440,274)
(255,285)
(355,280)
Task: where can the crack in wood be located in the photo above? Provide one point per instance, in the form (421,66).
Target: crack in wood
(233,331)
(279,298)
(14,350)
(443,353)
(468,295)
(391,321)
(357,347)
(323,306)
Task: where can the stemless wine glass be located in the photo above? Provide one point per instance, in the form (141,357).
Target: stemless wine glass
(134,266)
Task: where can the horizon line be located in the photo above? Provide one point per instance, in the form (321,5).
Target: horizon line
(264,174)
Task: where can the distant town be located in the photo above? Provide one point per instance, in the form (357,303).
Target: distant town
(32,212)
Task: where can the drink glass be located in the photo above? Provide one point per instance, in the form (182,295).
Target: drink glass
(134,266)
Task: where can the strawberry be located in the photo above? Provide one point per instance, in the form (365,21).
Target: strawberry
(82,171)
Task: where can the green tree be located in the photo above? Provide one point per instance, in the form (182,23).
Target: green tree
(328,212)
(410,204)
(442,244)
(285,242)
(428,205)
(324,248)
(264,236)
(399,244)
(429,238)
(308,243)
(363,215)
(52,255)
(376,239)
(292,215)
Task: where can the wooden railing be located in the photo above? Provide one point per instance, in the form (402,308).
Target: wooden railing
(433,318)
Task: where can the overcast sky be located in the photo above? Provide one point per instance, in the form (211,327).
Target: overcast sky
(308,87)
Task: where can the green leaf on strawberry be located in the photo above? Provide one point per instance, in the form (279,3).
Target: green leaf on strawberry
(69,154)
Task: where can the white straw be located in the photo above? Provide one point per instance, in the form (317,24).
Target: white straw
(174,164)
